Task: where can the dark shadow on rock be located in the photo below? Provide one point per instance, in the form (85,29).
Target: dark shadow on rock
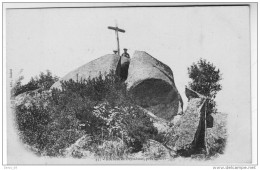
(151,85)
(124,71)
(152,92)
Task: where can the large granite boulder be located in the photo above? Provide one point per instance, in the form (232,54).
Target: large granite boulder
(188,127)
(151,84)
(149,81)
(188,133)
(93,69)
(187,136)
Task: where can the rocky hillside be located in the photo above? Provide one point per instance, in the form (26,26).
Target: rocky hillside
(116,108)
(150,82)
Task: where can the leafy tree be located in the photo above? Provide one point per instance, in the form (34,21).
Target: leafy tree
(205,80)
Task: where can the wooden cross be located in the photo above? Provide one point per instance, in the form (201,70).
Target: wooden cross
(117,38)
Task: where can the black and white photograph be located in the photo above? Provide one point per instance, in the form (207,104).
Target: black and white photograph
(130,84)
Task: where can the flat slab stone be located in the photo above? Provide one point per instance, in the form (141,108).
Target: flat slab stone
(188,125)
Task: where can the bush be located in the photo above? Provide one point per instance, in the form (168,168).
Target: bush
(32,114)
(155,150)
(112,149)
(45,127)
(128,123)
(49,120)
(44,81)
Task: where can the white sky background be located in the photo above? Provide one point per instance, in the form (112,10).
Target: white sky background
(63,39)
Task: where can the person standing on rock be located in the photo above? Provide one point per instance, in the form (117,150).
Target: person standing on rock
(125,54)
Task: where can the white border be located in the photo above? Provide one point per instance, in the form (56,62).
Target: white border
(253,29)
(254,64)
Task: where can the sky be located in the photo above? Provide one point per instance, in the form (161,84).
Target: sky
(63,39)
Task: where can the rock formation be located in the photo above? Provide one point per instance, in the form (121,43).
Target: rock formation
(188,131)
(151,84)
(149,81)
(102,65)
(188,136)
(189,126)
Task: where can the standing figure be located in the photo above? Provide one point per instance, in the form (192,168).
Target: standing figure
(125,54)
(125,61)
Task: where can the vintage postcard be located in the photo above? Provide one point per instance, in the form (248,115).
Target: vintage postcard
(130,84)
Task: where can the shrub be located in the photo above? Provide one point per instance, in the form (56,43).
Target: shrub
(45,127)
(43,81)
(49,120)
(112,149)
(127,122)
(32,114)
(155,150)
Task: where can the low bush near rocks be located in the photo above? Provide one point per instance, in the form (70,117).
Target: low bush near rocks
(43,126)
(96,118)
(112,149)
(49,120)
